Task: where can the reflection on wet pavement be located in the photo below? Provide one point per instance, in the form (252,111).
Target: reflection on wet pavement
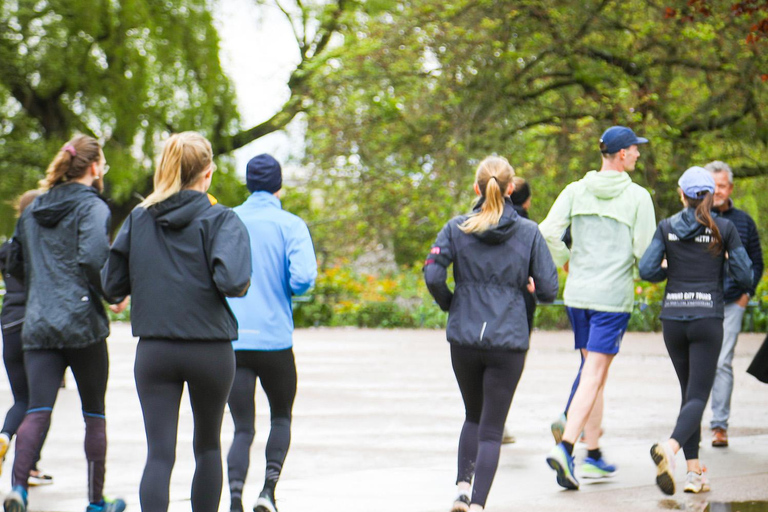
(698,505)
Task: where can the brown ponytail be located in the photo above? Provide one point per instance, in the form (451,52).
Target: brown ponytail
(72,161)
(703,206)
(493,177)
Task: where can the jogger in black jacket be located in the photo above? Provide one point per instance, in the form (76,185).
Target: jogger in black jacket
(494,253)
(698,249)
(179,256)
(65,242)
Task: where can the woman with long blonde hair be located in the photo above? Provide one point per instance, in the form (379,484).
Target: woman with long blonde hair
(178,256)
(495,253)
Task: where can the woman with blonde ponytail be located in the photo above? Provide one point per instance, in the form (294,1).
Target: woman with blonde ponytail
(694,244)
(496,256)
(179,256)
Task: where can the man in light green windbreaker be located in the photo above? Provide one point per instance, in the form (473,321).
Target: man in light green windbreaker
(612,223)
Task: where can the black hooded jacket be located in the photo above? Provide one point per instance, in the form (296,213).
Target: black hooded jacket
(12,315)
(694,275)
(65,241)
(491,270)
(178,260)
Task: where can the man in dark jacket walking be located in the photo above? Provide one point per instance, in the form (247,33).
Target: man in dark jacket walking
(736,299)
(65,243)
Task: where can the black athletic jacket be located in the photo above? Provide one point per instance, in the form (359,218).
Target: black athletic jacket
(12,315)
(491,270)
(64,236)
(178,260)
(694,276)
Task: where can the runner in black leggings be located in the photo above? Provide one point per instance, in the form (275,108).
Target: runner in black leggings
(694,245)
(494,253)
(283,265)
(178,256)
(65,242)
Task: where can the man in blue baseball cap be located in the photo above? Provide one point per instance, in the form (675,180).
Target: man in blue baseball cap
(612,223)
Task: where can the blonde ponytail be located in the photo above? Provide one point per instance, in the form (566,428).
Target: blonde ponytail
(493,176)
(185,157)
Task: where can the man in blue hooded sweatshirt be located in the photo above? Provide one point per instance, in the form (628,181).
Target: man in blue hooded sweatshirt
(284,264)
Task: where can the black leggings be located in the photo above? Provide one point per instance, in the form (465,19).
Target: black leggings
(45,369)
(277,372)
(13,358)
(694,347)
(487,380)
(161,369)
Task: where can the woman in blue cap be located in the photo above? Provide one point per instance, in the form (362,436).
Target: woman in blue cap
(692,250)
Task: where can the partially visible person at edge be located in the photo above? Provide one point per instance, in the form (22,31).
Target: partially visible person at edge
(12,320)
(494,253)
(65,241)
(521,202)
(178,256)
(284,264)
(736,299)
(612,222)
(689,250)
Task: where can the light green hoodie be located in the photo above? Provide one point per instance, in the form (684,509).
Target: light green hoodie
(612,223)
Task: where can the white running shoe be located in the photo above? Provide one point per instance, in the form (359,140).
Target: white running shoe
(664,458)
(697,482)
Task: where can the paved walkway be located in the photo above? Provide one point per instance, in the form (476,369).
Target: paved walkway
(377,419)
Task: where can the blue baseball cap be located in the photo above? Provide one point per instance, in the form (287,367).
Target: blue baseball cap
(696,180)
(616,138)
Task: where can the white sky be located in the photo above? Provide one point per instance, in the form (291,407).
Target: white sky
(258,52)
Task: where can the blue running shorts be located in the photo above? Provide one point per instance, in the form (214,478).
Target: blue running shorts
(598,331)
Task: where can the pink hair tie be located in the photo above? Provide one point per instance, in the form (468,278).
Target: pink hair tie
(69,148)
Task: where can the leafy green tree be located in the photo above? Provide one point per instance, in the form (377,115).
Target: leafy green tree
(420,91)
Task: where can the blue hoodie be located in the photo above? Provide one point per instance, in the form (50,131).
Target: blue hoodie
(283,264)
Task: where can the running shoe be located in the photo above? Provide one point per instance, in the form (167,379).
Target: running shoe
(461,503)
(558,428)
(664,458)
(16,500)
(5,441)
(597,468)
(107,505)
(39,477)
(559,460)
(265,503)
(507,438)
(696,482)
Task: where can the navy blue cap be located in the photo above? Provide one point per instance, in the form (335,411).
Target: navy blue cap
(616,138)
(264,173)
(696,180)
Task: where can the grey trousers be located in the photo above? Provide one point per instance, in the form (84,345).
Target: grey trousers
(723,387)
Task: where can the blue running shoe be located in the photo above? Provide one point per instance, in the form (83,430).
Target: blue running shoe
(107,505)
(559,460)
(16,500)
(597,468)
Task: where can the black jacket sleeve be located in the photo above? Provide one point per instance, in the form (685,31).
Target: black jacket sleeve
(230,256)
(115,276)
(93,243)
(543,270)
(650,264)
(436,269)
(13,259)
(738,264)
(755,253)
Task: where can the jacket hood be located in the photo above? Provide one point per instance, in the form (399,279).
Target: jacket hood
(503,230)
(50,208)
(180,209)
(606,184)
(685,225)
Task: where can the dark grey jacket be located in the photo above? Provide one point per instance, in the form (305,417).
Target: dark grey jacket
(178,260)
(491,270)
(64,236)
(694,275)
(12,315)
